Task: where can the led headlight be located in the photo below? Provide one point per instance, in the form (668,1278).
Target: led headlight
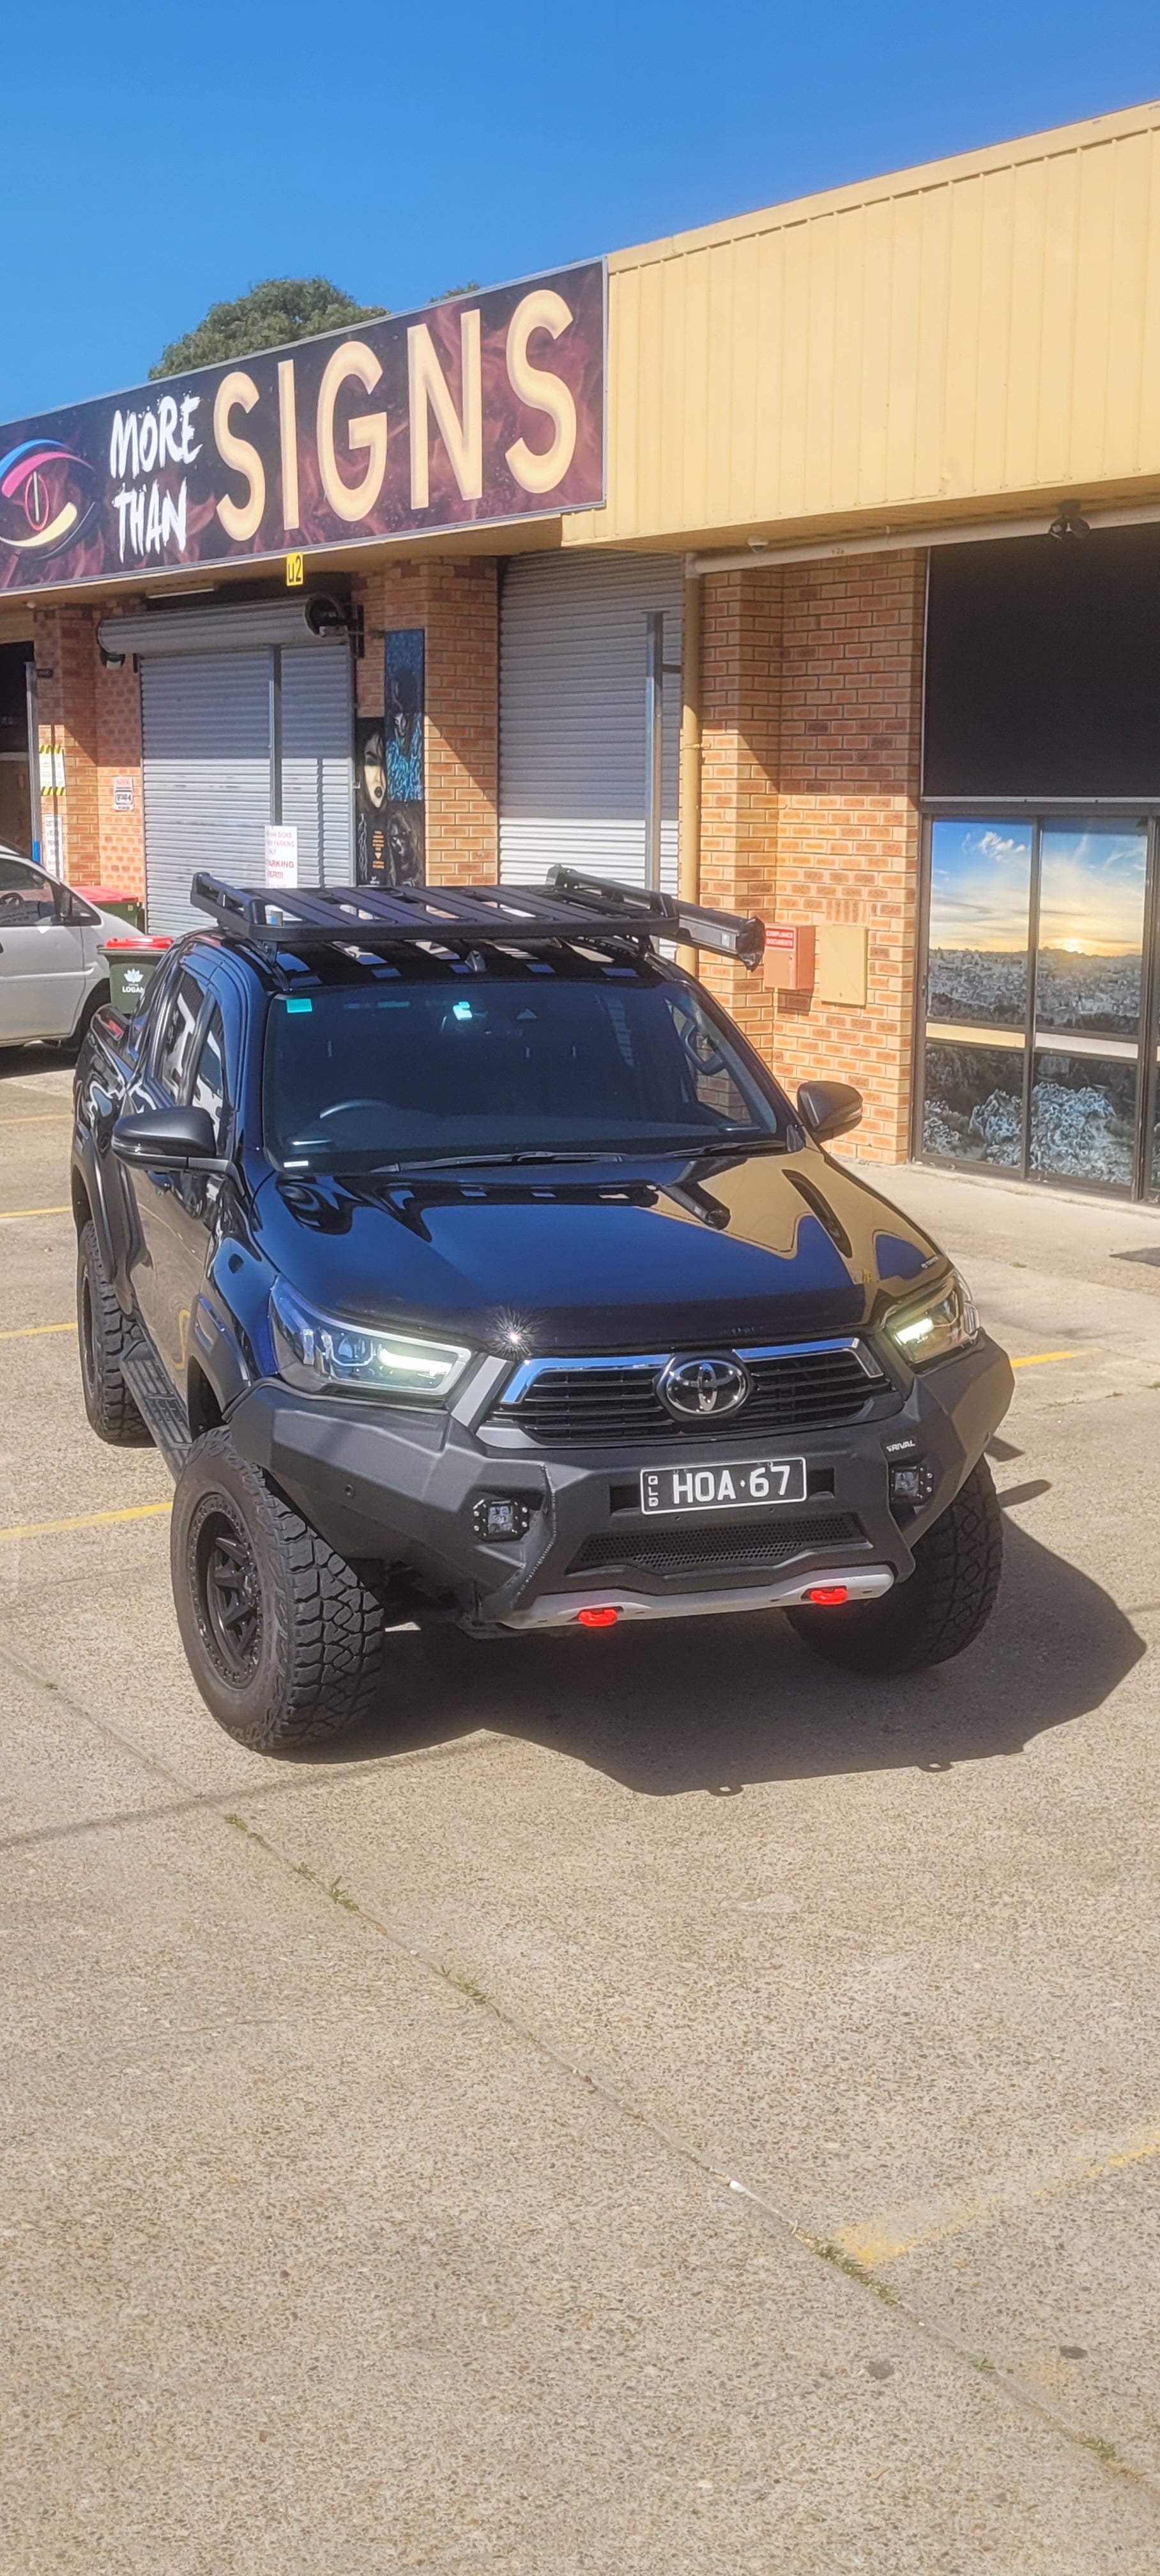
(316,1351)
(943,1323)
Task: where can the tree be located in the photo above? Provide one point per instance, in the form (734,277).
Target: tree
(278,309)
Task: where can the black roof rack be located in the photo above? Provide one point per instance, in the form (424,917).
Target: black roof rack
(569,906)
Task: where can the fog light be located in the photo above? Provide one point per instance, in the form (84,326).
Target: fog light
(500,1516)
(604,1618)
(827,1596)
(912,1484)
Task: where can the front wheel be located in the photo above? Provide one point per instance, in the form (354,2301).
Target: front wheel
(940,1609)
(282,1636)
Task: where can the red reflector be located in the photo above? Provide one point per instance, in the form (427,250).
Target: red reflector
(598,1618)
(826,1596)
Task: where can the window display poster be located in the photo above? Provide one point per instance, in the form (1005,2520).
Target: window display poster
(403,857)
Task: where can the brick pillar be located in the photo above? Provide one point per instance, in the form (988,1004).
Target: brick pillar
(65,647)
(812,690)
(740,719)
(117,695)
(457,605)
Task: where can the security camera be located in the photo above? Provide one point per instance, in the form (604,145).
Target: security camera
(327,616)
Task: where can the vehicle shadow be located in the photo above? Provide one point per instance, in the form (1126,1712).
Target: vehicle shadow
(713,1705)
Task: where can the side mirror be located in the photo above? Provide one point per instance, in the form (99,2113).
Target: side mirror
(829,1109)
(169,1140)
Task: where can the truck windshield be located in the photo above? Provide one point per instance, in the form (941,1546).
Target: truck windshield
(358,1077)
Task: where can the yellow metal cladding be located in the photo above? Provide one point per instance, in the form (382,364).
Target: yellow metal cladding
(982,330)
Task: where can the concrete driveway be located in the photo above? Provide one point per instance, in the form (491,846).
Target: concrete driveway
(647,2103)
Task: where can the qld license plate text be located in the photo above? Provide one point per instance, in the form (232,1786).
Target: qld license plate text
(699,1489)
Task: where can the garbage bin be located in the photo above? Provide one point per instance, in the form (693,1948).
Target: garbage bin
(131,962)
(127,907)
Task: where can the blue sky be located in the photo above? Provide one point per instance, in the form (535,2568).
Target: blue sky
(157,159)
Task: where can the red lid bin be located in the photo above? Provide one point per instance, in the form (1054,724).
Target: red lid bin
(131,962)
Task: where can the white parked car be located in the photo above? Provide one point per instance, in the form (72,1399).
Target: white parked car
(52,978)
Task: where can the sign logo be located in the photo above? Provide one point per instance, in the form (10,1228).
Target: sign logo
(46,497)
(694,1389)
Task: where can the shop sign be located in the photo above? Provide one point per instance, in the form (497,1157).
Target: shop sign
(483,409)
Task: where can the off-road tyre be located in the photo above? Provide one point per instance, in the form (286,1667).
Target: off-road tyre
(940,1609)
(283,1637)
(102,1332)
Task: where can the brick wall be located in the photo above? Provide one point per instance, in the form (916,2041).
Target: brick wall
(118,710)
(92,717)
(457,605)
(811,706)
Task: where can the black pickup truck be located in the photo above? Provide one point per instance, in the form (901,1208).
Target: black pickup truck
(466,1263)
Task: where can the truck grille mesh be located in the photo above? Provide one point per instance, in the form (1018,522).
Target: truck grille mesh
(803,1391)
(692,1551)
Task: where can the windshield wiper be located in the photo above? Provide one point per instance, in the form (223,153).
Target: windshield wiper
(475,1162)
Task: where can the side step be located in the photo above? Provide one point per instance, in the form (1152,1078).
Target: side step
(158,1403)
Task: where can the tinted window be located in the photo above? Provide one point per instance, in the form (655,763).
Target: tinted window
(178,1031)
(209,1080)
(1043,667)
(26,898)
(448,1066)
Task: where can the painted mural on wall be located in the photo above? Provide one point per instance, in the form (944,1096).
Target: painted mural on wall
(370,797)
(488,407)
(403,653)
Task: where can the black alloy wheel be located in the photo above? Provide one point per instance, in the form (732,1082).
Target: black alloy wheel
(227,1591)
(283,1636)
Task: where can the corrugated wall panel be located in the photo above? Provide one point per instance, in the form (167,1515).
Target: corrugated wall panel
(979,327)
(572,713)
(317,777)
(205,727)
(205,740)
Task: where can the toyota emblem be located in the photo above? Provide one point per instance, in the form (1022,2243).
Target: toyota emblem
(696,1389)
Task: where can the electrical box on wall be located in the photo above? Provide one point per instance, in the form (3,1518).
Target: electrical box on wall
(789,957)
(842,961)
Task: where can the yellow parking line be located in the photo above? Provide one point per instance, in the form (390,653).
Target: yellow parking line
(886,2240)
(24,1332)
(8,1216)
(1039,1359)
(85,1520)
(40,1118)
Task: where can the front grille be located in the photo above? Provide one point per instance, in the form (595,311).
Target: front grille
(792,1391)
(693,1551)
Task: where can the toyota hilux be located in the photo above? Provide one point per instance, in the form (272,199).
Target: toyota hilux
(466,1263)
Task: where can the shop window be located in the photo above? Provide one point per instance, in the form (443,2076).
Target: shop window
(1036,976)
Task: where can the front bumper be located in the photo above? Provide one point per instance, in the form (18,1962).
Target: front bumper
(399,1486)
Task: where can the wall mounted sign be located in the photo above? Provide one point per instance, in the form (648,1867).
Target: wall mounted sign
(281,854)
(486,408)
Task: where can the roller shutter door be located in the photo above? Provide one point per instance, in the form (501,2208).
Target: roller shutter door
(572,713)
(317,764)
(206,785)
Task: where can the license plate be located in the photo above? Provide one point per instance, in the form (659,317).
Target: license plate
(717,1489)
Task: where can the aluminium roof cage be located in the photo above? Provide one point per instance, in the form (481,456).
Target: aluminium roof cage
(568,906)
